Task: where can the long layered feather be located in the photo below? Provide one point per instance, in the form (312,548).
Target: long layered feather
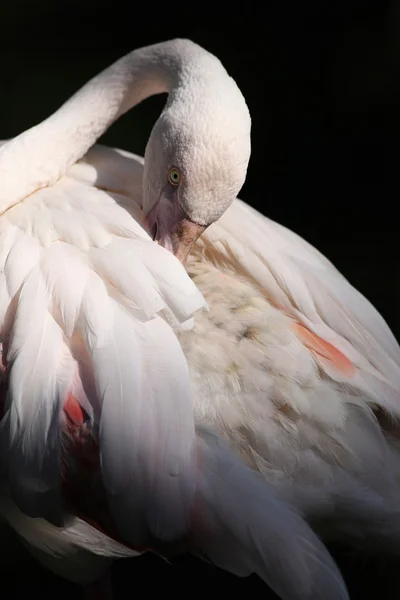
(300,281)
(84,282)
(248,529)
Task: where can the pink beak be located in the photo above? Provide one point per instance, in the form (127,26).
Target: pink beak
(170,226)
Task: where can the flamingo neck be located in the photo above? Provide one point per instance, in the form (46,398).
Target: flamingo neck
(38,157)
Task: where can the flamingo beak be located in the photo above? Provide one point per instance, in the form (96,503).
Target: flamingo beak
(185,234)
(170,226)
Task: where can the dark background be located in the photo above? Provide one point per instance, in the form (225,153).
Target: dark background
(322,84)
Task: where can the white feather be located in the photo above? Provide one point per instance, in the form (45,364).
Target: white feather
(143,384)
(78,552)
(63,287)
(251,530)
(298,279)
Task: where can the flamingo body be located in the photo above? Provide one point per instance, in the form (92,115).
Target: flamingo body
(101,453)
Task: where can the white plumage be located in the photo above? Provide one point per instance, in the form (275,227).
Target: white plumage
(316,414)
(76,289)
(98,414)
(294,367)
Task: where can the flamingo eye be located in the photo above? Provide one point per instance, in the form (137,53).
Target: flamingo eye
(174,176)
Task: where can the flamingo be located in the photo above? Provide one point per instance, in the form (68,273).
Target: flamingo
(101,456)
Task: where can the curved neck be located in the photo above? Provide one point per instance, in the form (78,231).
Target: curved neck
(41,155)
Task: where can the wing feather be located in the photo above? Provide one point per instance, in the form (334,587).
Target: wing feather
(78,269)
(152,476)
(30,427)
(298,279)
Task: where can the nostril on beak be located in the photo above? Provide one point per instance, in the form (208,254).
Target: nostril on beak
(155,230)
(151,227)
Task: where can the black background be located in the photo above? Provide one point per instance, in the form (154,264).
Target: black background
(322,84)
